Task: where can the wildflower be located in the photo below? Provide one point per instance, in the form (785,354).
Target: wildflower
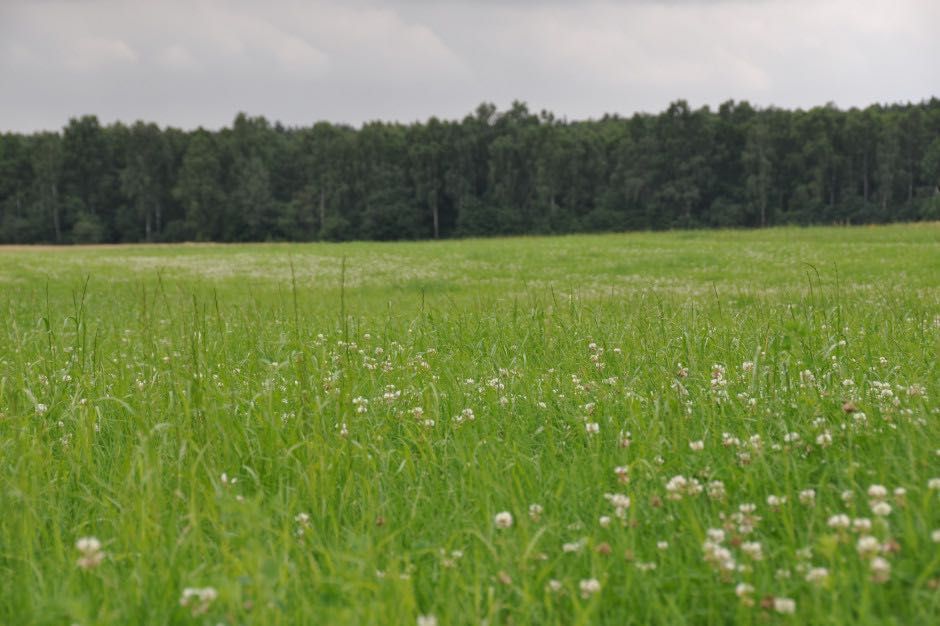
(935,536)
(744,591)
(877,492)
(553,585)
(620,502)
(573,546)
(868,546)
(697,446)
(716,490)
(198,599)
(881,509)
(847,496)
(715,535)
(817,575)
(535,512)
(679,486)
(824,440)
(604,521)
(880,570)
(303,522)
(41,408)
(92,556)
(427,620)
(934,483)
(808,497)
(503,520)
(776,501)
(589,587)
(861,525)
(662,545)
(753,549)
(592,428)
(840,521)
(784,606)
(622,473)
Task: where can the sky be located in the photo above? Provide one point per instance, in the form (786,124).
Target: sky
(190,63)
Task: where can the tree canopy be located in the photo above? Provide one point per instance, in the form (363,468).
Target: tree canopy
(491,173)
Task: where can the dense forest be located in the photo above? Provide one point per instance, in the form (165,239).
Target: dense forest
(492,173)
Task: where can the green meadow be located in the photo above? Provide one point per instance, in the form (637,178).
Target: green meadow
(654,428)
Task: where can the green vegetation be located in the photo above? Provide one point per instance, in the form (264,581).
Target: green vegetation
(492,173)
(334,433)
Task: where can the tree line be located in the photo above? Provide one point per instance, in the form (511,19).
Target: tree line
(492,173)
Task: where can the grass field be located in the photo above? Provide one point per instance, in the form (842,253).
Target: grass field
(676,428)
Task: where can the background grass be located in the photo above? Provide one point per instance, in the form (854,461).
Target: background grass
(132,378)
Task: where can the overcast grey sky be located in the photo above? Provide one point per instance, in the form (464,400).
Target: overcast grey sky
(198,62)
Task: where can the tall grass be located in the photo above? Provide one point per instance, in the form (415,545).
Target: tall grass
(287,426)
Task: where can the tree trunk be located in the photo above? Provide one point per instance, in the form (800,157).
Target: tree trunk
(56,224)
(865,177)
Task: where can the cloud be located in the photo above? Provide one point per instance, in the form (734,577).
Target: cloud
(198,62)
(94,53)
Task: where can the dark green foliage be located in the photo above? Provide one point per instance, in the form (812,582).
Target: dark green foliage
(493,173)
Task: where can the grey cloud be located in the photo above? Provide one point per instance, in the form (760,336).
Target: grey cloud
(198,63)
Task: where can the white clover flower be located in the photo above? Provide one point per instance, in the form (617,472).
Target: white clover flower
(877,492)
(592,428)
(573,546)
(662,545)
(847,496)
(785,606)
(620,503)
(881,509)
(808,497)
(589,587)
(92,556)
(716,490)
(824,440)
(868,546)
(753,549)
(198,599)
(715,535)
(776,501)
(554,585)
(679,486)
(697,446)
(427,620)
(743,589)
(861,525)
(503,520)
(535,512)
(934,483)
(935,536)
(880,570)
(817,575)
(41,408)
(622,473)
(604,521)
(840,521)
